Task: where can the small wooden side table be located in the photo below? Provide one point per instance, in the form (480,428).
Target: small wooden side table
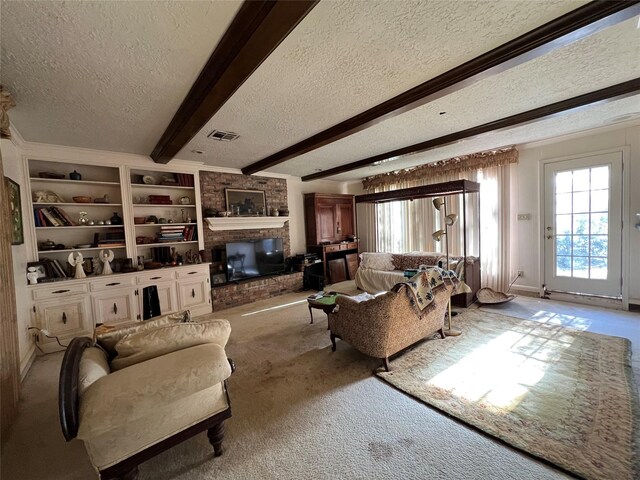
(326,303)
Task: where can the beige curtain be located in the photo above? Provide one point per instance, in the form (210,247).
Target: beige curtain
(495,214)
(367,226)
(407,226)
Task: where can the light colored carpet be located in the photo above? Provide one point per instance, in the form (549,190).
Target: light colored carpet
(300,411)
(564,395)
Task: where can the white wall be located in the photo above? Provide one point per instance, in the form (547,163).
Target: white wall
(525,198)
(12,166)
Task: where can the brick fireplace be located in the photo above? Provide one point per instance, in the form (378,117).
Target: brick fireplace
(212,187)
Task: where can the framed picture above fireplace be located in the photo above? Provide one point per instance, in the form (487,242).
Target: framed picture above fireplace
(246,203)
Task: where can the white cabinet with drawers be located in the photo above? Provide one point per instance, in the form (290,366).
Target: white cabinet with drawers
(73,308)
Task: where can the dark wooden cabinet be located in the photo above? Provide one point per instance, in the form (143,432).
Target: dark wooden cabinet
(330,227)
(329,218)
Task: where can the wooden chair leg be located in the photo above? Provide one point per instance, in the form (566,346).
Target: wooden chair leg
(216,435)
(441,332)
(129,475)
(333,342)
(385,361)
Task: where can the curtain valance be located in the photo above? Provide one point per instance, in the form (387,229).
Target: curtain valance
(431,171)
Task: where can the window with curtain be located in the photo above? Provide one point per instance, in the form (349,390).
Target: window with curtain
(407,226)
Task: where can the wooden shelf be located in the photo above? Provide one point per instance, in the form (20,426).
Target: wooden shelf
(164,244)
(164,224)
(87,227)
(172,187)
(245,223)
(76,204)
(78,182)
(162,205)
(78,249)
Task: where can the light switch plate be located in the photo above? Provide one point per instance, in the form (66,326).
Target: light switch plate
(524,216)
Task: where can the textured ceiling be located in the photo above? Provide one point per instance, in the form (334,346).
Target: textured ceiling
(348,56)
(579,120)
(107,75)
(110,75)
(606,58)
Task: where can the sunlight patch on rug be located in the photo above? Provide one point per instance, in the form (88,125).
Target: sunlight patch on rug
(564,395)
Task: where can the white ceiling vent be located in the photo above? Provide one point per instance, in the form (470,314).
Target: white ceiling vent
(223,136)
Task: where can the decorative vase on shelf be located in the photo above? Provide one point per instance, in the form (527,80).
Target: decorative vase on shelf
(75,176)
(116,219)
(83,220)
(284,211)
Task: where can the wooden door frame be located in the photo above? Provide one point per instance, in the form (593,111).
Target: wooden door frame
(9,350)
(625,248)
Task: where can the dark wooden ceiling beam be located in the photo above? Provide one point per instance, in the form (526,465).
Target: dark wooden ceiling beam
(608,94)
(257,29)
(569,28)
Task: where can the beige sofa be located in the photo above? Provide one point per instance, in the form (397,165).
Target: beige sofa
(141,390)
(388,323)
(379,272)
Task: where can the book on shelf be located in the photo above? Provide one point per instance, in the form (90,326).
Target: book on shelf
(61,213)
(52,217)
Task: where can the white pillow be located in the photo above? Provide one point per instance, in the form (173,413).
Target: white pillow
(109,339)
(147,344)
(93,365)
(377,261)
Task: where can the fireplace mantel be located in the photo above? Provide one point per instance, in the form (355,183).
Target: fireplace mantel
(245,223)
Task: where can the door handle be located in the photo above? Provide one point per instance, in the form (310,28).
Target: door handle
(549,237)
(64,318)
(115,308)
(155,278)
(112,284)
(61,291)
(193,293)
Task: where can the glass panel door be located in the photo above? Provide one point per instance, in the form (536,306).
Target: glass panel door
(583,228)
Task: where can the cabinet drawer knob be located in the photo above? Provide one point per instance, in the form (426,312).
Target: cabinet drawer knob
(193,293)
(64,318)
(115,308)
(61,291)
(112,284)
(155,278)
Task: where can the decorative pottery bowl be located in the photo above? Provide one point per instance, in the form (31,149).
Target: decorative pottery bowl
(139,220)
(82,199)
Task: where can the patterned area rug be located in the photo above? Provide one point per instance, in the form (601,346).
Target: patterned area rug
(563,395)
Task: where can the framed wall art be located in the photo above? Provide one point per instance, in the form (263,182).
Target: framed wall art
(245,203)
(13,192)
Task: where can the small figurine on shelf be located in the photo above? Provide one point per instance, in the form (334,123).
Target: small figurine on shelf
(32,276)
(106,257)
(77,262)
(83,220)
(174,256)
(140,263)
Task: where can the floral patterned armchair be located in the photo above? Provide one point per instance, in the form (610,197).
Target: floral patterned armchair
(383,326)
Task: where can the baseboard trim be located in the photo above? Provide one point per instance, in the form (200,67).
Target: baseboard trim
(603,302)
(525,288)
(27,362)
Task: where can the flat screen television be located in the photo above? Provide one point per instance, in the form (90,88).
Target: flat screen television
(254,258)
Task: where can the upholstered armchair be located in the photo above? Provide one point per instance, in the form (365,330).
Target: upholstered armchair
(145,389)
(384,325)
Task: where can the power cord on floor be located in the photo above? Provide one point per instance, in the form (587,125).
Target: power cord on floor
(41,331)
(518,275)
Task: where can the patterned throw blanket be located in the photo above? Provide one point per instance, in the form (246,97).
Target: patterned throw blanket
(421,286)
